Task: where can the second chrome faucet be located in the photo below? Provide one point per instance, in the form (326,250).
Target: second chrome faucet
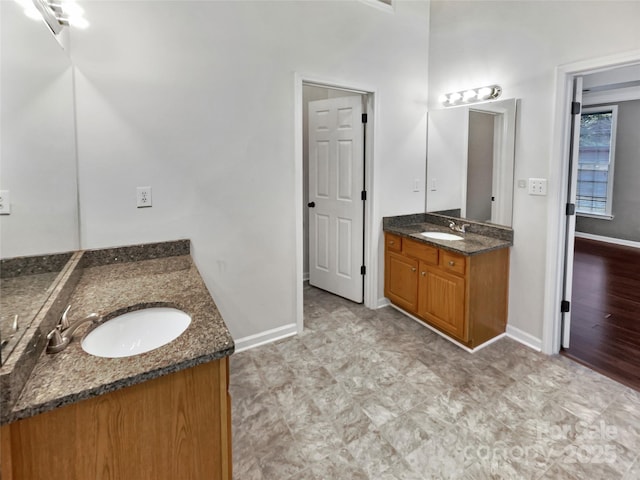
(60,336)
(457,228)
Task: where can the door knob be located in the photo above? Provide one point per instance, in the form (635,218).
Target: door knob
(311,204)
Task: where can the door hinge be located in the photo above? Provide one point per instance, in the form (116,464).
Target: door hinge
(571,209)
(363,270)
(575,108)
(364,118)
(565,306)
(363,195)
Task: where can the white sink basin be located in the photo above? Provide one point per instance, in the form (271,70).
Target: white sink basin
(441,236)
(136,332)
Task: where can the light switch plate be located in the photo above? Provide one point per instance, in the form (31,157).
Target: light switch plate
(537,186)
(143,196)
(5,202)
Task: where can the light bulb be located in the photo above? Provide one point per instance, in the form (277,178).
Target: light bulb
(72,9)
(485,92)
(469,95)
(454,97)
(78,22)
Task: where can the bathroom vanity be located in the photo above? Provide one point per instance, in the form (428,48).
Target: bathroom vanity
(163,414)
(457,287)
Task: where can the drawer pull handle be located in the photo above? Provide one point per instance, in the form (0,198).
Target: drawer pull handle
(413,269)
(451,263)
(391,242)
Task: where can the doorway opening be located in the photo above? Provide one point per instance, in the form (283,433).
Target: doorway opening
(590,323)
(334,130)
(602,328)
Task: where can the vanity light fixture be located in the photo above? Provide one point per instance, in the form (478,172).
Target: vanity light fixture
(471,95)
(57,14)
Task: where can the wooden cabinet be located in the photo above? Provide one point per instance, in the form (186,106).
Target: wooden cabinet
(172,427)
(464,297)
(401,281)
(441,301)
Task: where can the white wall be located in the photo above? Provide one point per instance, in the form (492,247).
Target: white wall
(196,99)
(37,139)
(518,45)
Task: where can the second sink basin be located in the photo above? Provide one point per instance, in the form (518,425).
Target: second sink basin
(441,236)
(136,332)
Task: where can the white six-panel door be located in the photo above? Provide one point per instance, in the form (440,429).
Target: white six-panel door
(336,217)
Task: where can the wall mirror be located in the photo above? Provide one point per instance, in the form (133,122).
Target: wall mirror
(37,163)
(470,161)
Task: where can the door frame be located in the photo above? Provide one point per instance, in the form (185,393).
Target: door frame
(370,239)
(558,190)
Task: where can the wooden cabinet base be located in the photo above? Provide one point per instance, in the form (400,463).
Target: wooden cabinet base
(464,297)
(174,427)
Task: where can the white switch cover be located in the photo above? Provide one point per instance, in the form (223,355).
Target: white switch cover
(143,195)
(5,202)
(416,185)
(433,185)
(537,186)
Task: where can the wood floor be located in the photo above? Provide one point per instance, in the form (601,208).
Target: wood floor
(605,310)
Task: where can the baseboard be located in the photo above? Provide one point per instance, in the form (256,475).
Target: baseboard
(615,241)
(524,338)
(383,302)
(305,277)
(263,338)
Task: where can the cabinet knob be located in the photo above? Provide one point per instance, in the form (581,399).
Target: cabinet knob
(413,269)
(391,242)
(451,263)
(423,273)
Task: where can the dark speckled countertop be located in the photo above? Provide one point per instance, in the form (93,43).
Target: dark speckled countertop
(479,237)
(112,284)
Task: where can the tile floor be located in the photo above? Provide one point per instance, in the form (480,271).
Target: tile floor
(365,394)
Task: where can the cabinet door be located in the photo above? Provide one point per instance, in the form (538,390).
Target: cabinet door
(441,301)
(401,281)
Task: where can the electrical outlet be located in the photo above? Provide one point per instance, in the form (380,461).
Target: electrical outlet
(522,184)
(143,195)
(5,202)
(537,186)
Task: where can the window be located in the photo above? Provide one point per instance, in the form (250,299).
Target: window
(595,161)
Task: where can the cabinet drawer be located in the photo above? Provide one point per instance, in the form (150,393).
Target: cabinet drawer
(450,262)
(393,242)
(420,251)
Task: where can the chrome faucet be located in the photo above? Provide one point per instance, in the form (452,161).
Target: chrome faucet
(462,229)
(62,335)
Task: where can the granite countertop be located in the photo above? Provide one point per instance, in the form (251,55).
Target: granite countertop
(479,238)
(111,288)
